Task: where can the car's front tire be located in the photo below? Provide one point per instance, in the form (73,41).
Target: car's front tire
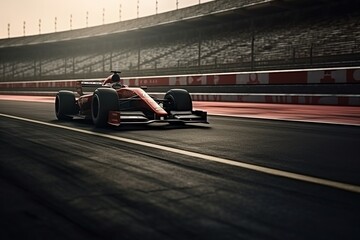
(177,100)
(103,101)
(65,105)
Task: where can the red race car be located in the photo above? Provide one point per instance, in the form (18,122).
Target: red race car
(116,104)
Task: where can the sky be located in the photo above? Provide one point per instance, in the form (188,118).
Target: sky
(38,16)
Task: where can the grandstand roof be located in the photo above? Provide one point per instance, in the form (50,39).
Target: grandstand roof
(198,14)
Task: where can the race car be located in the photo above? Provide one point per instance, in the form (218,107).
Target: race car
(116,104)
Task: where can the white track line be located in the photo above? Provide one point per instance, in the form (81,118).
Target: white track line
(270,171)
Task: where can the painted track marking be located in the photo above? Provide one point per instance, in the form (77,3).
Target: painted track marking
(266,170)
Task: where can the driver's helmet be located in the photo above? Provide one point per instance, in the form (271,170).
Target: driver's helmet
(115,78)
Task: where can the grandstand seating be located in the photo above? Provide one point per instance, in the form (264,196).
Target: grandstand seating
(288,38)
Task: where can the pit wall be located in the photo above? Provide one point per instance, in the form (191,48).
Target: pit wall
(291,77)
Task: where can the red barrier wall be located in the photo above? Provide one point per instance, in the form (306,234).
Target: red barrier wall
(350,75)
(336,75)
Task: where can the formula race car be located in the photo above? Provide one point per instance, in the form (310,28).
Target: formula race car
(116,104)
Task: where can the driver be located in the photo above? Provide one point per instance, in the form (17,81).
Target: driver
(113,81)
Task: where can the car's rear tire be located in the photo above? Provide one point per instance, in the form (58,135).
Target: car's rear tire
(177,100)
(65,105)
(103,101)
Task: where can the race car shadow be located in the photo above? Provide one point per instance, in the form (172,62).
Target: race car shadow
(73,122)
(86,123)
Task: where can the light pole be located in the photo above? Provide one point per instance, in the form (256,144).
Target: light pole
(120,12)
(103,15)
(137,7)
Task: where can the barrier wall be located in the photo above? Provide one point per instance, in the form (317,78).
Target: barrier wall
(301,77)
(320,76)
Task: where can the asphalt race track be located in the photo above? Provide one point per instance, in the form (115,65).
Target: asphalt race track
(236,178)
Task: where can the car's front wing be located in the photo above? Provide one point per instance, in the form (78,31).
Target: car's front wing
(118,118)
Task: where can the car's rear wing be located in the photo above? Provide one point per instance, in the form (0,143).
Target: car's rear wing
(86,86)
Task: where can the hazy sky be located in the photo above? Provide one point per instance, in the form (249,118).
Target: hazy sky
(16,12)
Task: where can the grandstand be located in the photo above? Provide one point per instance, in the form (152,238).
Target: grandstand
(217,36)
